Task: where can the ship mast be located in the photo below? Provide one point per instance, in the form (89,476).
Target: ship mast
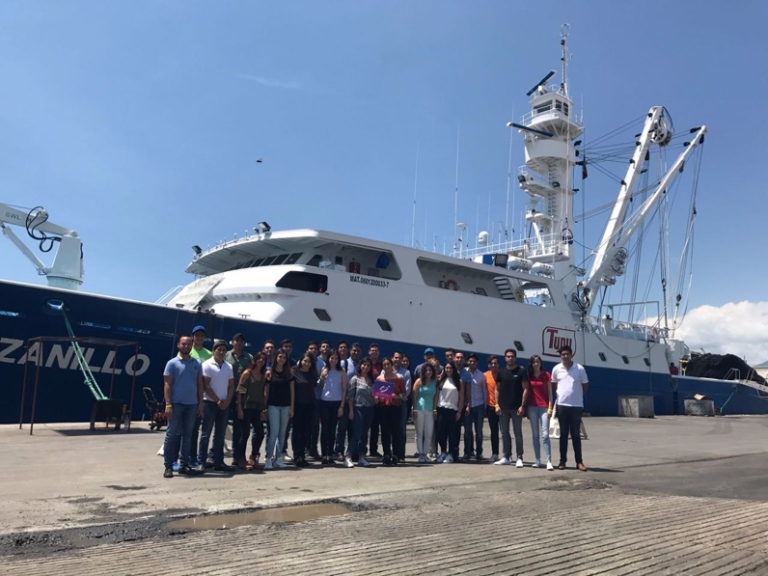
(549,131)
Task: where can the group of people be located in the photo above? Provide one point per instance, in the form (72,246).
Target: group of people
(348,403)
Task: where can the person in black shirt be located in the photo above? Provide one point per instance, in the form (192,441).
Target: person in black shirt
(511,397)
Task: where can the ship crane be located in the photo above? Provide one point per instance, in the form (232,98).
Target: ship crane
(611,254)
(67,269)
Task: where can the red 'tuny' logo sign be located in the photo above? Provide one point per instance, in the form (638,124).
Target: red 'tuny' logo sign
(552,339)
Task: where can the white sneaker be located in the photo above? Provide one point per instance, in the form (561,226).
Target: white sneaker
(519,463)
(536,464)
(268,464)
(503,462)
(363,462)
(448,459)
(279,463)
(549,465)
(441,458)
(348,462)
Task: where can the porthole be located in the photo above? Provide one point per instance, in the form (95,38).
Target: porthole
(602,356)
(467,338)
(384,324)
(647,362)
(626,360)
(519,346)
(322,315)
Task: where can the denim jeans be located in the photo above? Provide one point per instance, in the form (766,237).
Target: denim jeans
(493,425)
(179,434)
(540,427)
(361,425)
(400,450)
(302,422)
(344,431)
(517,425)
(474,419)
(214,419)
(389,420)
(570,422)
(251,419)
(448,429)
(314,430)
(193,457)
(329,415)
(278,425)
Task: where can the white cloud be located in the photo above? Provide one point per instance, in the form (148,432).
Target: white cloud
(272,82)
(739,328)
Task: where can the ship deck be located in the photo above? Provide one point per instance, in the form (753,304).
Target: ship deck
(667,495)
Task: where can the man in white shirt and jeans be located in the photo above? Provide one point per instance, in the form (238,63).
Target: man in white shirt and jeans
(218,388)
(571,382)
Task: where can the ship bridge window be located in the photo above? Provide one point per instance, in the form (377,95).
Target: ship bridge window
(268,260)
(541,108)
(293,258)
(562,107)
(256,262)
(280,259)
(315,260)
(304,281)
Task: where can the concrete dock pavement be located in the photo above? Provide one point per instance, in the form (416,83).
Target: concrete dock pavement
(672,495)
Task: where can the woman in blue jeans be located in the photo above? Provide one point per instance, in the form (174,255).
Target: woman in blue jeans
(540,409)
(333,395)
(280,397)
(361,407)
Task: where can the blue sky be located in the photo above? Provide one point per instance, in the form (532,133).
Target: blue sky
(138,124)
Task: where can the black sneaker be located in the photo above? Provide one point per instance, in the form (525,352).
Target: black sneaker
(168,472)
(375,454)
(209,463)
(223,468)
(185,471)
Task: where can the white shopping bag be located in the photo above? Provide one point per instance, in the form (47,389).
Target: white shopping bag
(554,424)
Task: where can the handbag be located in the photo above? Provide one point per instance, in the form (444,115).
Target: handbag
(554,424)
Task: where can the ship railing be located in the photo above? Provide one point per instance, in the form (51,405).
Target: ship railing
(169,295)
(520,248)
(531,176)
(527,119)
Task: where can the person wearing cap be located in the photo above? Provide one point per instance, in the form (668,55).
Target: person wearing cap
(200,353)
(240,360)
(429,356)
(218,387)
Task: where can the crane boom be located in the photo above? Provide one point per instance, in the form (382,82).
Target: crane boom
(67,268)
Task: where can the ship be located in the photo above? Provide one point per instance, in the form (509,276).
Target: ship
(63,348)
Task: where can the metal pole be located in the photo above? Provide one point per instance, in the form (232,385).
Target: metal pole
(37,378)
(133,386)
(112,379)
(23,391)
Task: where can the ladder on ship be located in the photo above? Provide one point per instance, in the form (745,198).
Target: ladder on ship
(90,381)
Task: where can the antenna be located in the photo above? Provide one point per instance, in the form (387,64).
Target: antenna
(509,171)
(564,30)
(541,82)
(415,182)
(456,189)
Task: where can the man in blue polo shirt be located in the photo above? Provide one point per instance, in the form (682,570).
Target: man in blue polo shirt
(183,391)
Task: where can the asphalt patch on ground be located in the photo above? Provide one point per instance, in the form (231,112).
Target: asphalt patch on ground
(156,527)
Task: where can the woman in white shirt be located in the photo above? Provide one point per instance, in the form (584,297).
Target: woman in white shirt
(450,393)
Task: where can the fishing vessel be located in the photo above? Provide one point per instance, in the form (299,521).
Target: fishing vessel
(529,293)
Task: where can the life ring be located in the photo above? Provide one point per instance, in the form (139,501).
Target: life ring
(451,285)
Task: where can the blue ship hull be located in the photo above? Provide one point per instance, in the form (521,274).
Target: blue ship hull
(62,395)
